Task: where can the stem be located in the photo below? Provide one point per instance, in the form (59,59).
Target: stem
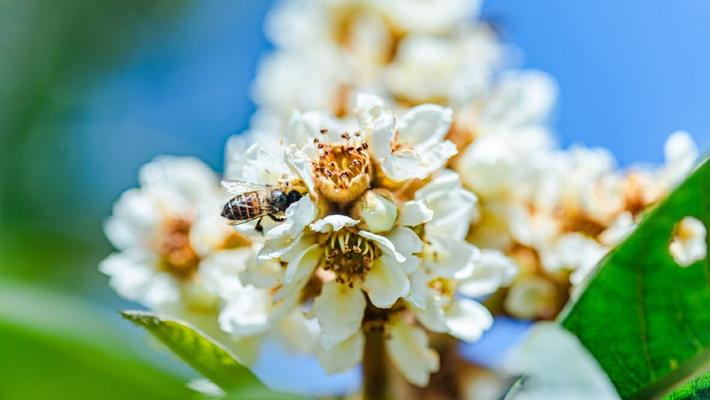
(374,368)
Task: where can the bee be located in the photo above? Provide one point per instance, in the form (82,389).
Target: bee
(253,201)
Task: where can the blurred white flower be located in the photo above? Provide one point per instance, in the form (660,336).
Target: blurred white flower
(688,244)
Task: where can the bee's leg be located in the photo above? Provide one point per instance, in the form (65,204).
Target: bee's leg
(258,226)
(275,218)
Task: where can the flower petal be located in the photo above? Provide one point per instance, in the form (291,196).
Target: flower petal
(246,312)
(467,319)
(333,223)
(420,289)
(300,164)
(384,244)
(344,356)
(339,310)
(298,216)
(451,258)
(382,135)
(432,315)
(385,282)
(414,212)
(302,265)
(424,123)
(436,155)
(408,244)
(404,165)
(491,271)
(368,108)
(409,350)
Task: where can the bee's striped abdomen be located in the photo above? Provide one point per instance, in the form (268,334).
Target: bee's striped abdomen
(243,207)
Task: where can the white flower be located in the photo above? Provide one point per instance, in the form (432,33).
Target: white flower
(458,66)
(169,238)
(688,244)
(414,146)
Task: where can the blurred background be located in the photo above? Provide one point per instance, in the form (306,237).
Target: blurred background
(90,91)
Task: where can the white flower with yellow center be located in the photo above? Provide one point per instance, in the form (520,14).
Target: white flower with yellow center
(174,251)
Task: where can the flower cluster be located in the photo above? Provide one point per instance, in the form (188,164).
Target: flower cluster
(425,177)
(376,244)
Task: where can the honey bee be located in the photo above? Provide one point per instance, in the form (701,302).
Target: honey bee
(253,201)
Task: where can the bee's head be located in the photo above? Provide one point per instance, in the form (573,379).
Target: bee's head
(293,196)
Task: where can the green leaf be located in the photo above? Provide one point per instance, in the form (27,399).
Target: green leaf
(54,346)
(697,389)
(644,318)
(207,357)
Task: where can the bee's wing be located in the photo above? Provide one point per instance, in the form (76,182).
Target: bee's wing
(239,187)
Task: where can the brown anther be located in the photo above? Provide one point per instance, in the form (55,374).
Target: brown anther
(365,145)
(324,131)
(357,133)
(345,136)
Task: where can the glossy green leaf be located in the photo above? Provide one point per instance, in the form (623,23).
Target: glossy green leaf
(644,318)
(207,357)
(697,389)
(54,346)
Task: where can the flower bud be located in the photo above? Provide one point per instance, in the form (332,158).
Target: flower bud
(377,210)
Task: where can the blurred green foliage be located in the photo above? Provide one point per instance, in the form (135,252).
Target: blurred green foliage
(56,346)
(52,343)
(53,53)
(643,317)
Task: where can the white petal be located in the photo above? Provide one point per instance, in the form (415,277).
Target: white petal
(339,310)
(300,164)
(414,212)
(382,135)
(178,183)
(302,265)
(294,258)
(333,223)
(409,350)
(451,258)
(420,289)
(424,123)
(435,156)
(491,271)
(385,282)
(298,215)
(346,355)
(408,244)
(135,219)
(368,108)
(384,244)
(432,315)
(404,165)
(246,312)
(467,319)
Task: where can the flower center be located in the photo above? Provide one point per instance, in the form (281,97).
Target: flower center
(342,170)
(177,256)
(349,256)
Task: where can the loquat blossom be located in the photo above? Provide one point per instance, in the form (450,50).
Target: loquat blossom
(377,242)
